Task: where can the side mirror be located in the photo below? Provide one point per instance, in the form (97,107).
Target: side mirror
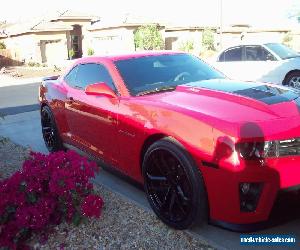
(100,89)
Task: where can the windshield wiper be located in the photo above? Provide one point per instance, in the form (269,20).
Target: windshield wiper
(156,90)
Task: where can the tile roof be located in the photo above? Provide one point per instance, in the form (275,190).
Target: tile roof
(122,21)
(72,14)
(47,24)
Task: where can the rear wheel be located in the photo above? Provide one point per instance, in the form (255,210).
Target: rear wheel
(49,130)
(174,185)
(293,80)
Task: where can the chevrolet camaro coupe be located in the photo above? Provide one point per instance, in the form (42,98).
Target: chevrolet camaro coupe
(203,146)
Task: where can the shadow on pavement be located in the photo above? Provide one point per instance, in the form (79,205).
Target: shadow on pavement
(286,209)
(18,109)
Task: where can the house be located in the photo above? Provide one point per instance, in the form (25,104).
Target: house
(69,34)
(51,40)
(47,41)
(116,35)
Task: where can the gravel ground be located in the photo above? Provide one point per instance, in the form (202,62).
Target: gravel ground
(122,225)
(21,72)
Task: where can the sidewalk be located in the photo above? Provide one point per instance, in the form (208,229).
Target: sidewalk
(6,80)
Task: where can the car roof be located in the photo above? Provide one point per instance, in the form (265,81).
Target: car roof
(124,56)
(248,44)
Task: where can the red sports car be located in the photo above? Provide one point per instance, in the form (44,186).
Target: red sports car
(204,147)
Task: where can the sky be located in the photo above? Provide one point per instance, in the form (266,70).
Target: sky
(194,12)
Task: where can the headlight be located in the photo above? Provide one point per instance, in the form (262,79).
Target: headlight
(268,149)
(289,147)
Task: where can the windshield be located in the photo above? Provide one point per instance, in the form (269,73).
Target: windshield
(150,74)
(282,51)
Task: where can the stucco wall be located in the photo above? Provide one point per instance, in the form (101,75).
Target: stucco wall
(176,39)
(55,45)
(296,40)
(27,47)
(22,47)
(115,40)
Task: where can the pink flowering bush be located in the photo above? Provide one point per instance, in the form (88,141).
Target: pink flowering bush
(48,190)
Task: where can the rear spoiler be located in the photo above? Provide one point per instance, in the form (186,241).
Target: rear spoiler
(49,78)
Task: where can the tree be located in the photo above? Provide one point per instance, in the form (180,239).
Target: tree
(208,39)
(148,37)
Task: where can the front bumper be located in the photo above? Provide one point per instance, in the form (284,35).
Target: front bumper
(285,208)
(223,184)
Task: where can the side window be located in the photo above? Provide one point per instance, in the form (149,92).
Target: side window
(258,53)
(105,77)
(92,73)
(268,55)
(233,54)
(70,78)
(253,53)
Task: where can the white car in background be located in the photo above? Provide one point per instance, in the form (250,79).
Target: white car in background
(268,62)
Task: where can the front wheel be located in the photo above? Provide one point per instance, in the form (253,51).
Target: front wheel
(293,80)
(174,185)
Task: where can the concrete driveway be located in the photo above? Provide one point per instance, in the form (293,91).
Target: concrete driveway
(23,127)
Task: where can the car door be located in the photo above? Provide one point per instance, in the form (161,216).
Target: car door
(93,119)
(65,85)
(260,63)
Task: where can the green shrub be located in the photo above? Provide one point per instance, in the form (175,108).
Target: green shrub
(90,52)
(148,37)
(71,53)
(33,64)
(2,45)
(187,46)
(208,40)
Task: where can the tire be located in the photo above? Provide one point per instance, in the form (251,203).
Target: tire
(292,80)
(49,130)
(174,185)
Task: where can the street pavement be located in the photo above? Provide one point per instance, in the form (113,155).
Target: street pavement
(7,80)
(23,127)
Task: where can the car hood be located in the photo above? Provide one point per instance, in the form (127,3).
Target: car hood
(233,101)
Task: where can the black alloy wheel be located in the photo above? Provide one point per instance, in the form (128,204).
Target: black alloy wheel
(174,185)
(49,130)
